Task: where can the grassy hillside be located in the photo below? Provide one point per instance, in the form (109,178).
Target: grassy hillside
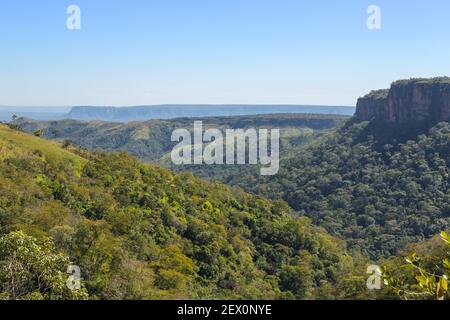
(17,142)
(141,232)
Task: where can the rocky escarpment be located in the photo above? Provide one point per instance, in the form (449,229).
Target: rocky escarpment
(372,105)
(415,100)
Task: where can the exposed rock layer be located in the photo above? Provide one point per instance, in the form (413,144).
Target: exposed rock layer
(408,101)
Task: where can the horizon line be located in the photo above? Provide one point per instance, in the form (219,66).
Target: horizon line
(180,104)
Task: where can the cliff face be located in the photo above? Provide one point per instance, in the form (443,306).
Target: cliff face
(408,101)
(372,105)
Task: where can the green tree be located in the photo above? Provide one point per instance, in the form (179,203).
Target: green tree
(429,284)
(30,269)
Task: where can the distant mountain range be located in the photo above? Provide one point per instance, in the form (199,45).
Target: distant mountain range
(142,113)
(36,112)
(139,113)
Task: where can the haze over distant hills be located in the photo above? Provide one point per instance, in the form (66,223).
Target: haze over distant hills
(138,113)
(142,113)
(36,112)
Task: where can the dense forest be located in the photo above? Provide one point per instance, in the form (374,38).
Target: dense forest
(378,190)
(363,182)
(138,231)
(378,186)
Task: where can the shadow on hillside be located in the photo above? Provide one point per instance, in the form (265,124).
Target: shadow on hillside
(383,133)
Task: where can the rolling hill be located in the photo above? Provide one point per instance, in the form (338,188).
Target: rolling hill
(151,140)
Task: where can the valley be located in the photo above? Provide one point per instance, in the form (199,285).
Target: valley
(224,159)
(349,192)
(138,231)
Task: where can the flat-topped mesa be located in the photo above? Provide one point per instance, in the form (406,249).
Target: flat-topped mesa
(415,100)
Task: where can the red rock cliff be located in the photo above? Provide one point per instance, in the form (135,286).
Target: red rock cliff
(415,100)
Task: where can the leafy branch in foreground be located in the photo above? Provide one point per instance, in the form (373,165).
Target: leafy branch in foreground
(31,270)
(428,284)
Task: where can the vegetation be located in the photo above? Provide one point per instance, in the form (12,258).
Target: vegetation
(377,94)
(31,270)
(378,186)
(364,182)
(423,277)
(423,80)
(151,140)
(141,232)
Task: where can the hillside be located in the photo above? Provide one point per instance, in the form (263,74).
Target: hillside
(141,232)
(151,140)
(381,181)
(377,183)
(377,193)
(378,198)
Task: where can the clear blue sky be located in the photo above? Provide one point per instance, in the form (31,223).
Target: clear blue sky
(215,51)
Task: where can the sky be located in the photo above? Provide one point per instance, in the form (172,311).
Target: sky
(142,52)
